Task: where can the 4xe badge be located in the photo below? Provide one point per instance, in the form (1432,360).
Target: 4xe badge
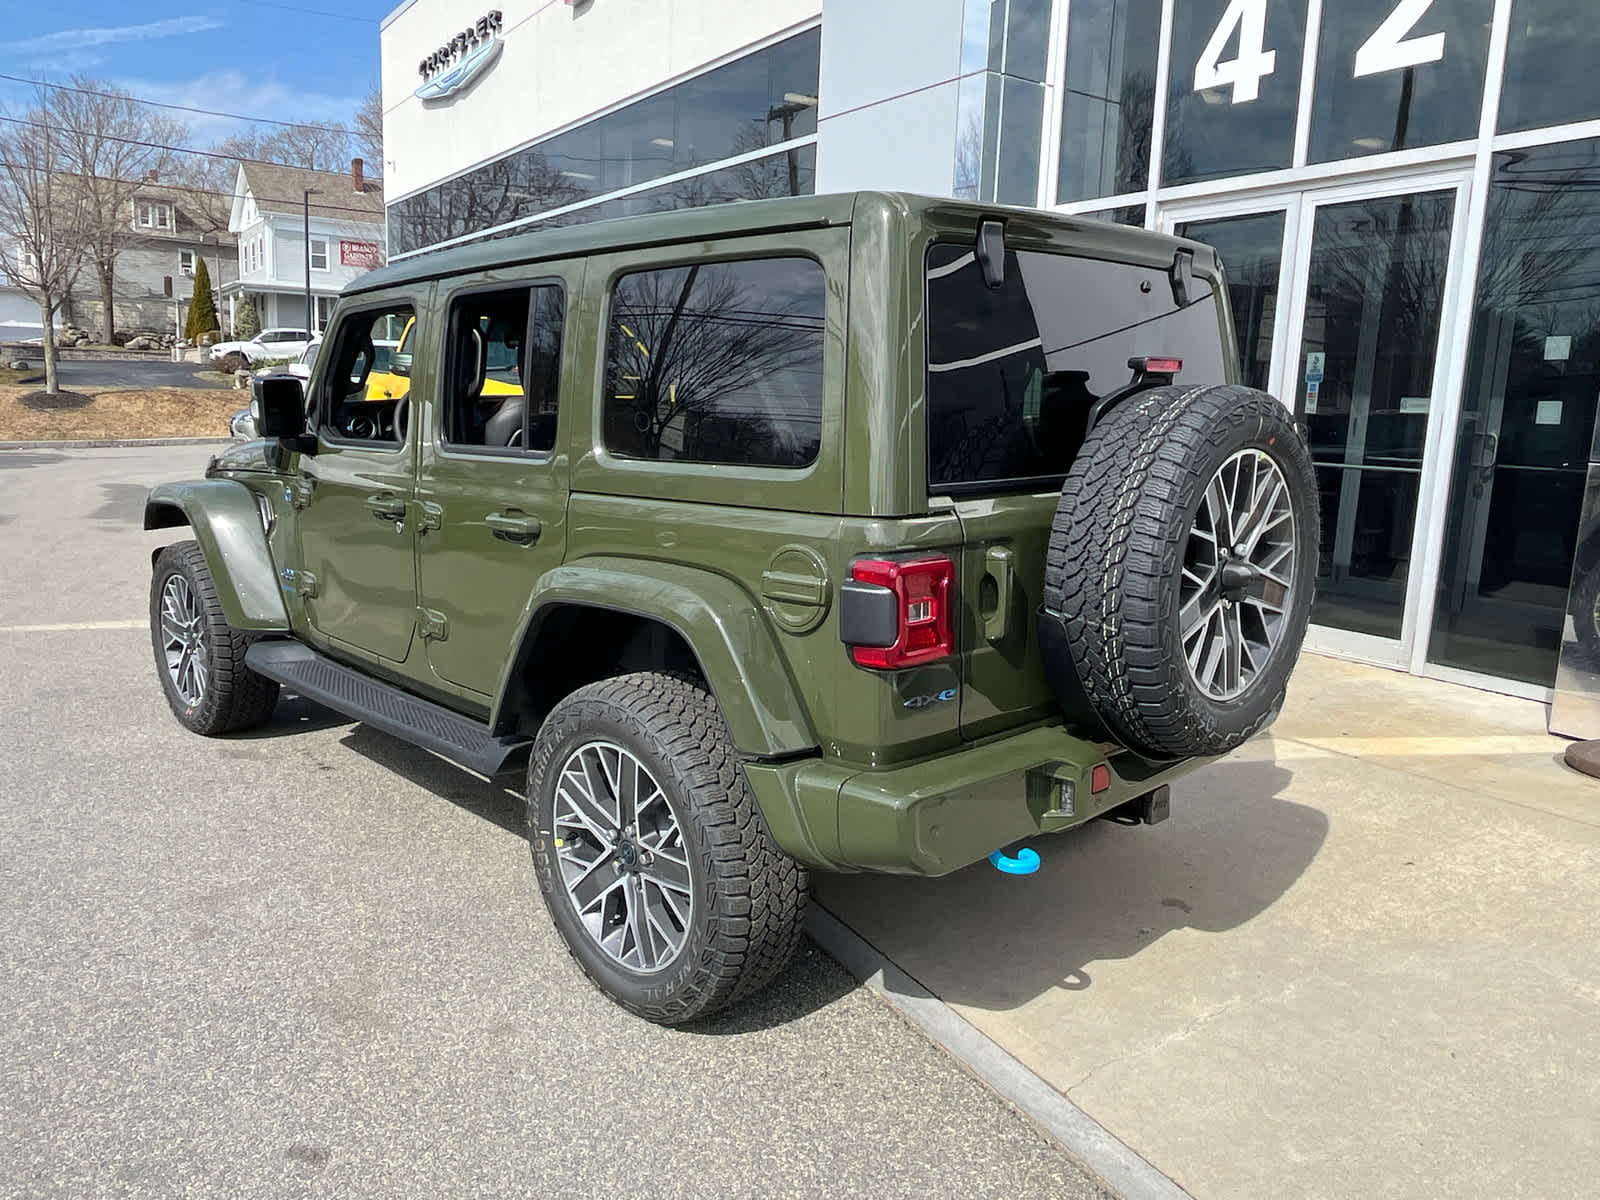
(920,702)
(453,66)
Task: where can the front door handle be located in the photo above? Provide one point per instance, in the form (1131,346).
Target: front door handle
(386,506)
(515,526)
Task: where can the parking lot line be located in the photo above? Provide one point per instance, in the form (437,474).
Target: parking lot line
(74,627)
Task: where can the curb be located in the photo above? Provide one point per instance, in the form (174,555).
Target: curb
(1084,1138)
(112,443)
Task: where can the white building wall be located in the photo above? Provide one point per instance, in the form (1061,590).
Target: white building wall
(560,64)
(888,88)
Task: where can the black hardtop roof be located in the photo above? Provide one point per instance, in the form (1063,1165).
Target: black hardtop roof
(716,221)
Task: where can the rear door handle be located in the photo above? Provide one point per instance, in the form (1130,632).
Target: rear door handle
(515,526)
(999,564)
(386,506)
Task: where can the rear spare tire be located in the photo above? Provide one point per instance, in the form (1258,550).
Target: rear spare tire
(1180,570)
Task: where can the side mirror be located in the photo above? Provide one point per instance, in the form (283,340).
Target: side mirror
(400,364)
(279,407)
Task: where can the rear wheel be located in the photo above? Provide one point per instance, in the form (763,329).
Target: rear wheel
(1181,567)
(199,657)
(654,861)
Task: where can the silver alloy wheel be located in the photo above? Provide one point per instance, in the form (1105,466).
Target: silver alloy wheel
(1238,575)
(622,856)
(183,639)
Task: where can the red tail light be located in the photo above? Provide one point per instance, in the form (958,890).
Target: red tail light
(920,589)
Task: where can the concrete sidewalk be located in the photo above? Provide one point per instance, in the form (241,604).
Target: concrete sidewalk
(1359,960)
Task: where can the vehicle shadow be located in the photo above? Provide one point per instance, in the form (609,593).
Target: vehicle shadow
(810,982)
(1102,892)
(498,801)
(293,714)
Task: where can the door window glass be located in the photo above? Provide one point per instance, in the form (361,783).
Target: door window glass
(1551,55)
(504,369)
(1392,74)
(1251,249)
(1234,88)
(1013,371)
(1374,299)
(718,362)
(1108,105)
(1527,419)
(359,401)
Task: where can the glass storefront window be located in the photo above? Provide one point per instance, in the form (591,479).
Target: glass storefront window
(1551,57)
(1251,249)
(757,101)
(1132,214)
(1393,74)
(1234,85)
(1108,106)
(1374,301)
(1527,418)
(1000,123)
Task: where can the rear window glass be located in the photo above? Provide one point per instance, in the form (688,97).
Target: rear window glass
(718,362)
(1013,371)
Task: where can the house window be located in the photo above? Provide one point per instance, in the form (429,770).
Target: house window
(324,310)
(150,214)
(185,262)
(319,254)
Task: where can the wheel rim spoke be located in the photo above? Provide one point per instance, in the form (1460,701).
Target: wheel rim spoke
(1236,585)
(183,639)
(621,856)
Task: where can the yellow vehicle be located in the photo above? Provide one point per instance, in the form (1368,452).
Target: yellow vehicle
(390,377)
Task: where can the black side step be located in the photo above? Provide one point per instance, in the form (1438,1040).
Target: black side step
(383,706)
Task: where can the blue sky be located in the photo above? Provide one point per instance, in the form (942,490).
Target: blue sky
(314,61)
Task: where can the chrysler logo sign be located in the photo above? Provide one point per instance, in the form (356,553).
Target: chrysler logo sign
(454,65)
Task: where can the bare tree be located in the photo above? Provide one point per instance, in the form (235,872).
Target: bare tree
(42,219)
(109,144)
(368,131)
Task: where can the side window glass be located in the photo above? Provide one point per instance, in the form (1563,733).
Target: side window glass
(505,364)
(717,363)
(365,398)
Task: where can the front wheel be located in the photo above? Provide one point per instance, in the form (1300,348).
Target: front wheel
(199,656)
(654,860)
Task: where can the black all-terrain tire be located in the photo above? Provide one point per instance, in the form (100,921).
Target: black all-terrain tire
(234,697)
(1116,556)
(748,896)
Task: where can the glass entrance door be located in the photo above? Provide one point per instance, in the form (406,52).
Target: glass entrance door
(1339,297)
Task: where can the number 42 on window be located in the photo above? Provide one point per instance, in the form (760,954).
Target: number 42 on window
(1388,49)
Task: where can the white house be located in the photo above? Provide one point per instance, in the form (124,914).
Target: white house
(271,205)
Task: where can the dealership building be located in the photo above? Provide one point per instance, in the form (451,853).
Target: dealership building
(1406,194)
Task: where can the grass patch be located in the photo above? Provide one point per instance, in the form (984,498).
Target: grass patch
(10,378)
(121,413)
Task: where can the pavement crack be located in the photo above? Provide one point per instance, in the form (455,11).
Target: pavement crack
(1193,1024)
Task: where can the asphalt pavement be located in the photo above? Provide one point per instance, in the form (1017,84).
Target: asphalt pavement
(312,961)
(91,374)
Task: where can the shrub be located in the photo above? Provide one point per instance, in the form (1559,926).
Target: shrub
(203,308)
(245,322)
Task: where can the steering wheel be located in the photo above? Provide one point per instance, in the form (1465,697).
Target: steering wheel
(402,410)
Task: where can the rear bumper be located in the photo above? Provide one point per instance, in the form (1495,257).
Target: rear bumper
(937,816)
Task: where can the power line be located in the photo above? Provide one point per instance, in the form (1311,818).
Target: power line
(205,191)
(315,12)
(111,137)
(205,112)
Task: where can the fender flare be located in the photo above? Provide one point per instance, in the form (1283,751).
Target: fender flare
(227,524)
(718,620)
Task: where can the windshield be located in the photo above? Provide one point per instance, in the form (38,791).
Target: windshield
(1013,371)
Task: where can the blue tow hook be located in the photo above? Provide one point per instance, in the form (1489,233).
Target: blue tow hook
(1025,863)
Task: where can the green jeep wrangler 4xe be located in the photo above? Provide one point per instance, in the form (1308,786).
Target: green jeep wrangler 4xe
(842,533)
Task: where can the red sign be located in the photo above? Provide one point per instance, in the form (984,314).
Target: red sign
(360,254)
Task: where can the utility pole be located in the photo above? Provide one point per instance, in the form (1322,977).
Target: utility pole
(306,208)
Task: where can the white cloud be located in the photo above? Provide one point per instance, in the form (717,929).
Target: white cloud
(77,39)
(249,94)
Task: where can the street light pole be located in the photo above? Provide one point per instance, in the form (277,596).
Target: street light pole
(306,208)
